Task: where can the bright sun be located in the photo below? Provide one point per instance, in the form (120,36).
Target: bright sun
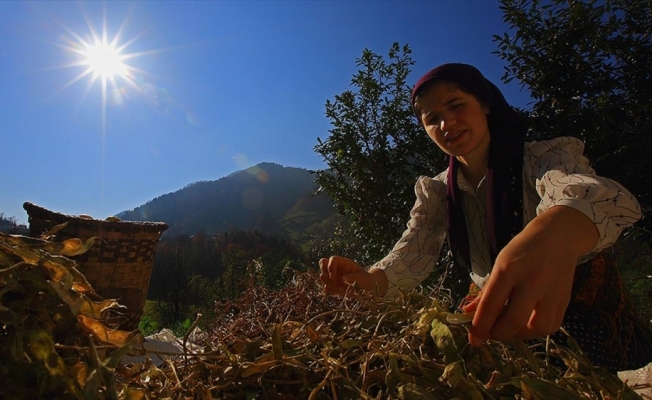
(104,60)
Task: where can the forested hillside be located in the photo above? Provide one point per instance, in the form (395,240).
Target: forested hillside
(268,198)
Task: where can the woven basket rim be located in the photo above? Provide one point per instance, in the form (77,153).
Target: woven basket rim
(38,212)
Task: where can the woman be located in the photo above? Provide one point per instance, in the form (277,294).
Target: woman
(527,221)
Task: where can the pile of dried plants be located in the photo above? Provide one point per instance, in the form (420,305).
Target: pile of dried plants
(296,343)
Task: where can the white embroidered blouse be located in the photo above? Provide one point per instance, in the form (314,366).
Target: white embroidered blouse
(555,172)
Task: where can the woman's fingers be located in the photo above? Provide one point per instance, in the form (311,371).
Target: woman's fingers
(473,305)
(333,273)
(525,315)
(490,306)
(330,285)
(515,316)
(545,320)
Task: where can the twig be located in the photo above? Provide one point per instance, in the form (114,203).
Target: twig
(329,312)
(185,340)
(174,371)
(380,321)
(316,389)
(192,327)
(13,267)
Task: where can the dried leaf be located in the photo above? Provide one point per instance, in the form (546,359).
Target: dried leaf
(79,282)
(459,319)
(312,334)
(111,336)
(116,356)
(79,372)
(130,393)
(7,264)
(393,376)
(68,247)
(350,343)
(252,349)
(74,247)
(54,230)
(73,302)
(277,342)
(94,309)
(249,369)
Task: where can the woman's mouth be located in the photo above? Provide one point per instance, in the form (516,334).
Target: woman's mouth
(452,136)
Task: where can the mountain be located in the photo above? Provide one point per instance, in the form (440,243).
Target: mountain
(268,197)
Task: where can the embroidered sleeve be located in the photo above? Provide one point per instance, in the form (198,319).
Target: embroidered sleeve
(563,176)
(415,254)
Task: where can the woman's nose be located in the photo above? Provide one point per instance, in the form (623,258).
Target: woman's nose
(447,122)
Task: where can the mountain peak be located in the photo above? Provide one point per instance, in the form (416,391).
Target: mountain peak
(257,198)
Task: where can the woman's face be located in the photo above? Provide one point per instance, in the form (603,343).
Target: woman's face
(455,120)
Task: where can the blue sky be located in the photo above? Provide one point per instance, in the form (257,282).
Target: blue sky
(218,87)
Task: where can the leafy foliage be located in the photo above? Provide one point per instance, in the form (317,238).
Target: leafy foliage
(588,67)
(294,343)
(52,324)
(299,343)
(375,152)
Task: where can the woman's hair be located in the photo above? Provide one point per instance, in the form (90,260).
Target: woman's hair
(470,80)
(428,85)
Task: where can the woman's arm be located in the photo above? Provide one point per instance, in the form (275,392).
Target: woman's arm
(412,258)
(580,212)
(533,275)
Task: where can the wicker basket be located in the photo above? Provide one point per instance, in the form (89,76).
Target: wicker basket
(119,266)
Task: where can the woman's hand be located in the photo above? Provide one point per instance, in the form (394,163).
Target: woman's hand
(337,273)
(530,285)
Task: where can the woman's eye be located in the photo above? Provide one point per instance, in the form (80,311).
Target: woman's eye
(457,105)
(434,121)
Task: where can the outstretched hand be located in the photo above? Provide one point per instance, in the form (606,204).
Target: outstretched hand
(338,273)
(530,285)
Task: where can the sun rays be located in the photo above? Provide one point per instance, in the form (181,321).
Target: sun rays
(104,57)
(102,60)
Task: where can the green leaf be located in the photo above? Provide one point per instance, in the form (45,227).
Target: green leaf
(42,347)
(443,338)
(540,389)
(455,376)
(411,391)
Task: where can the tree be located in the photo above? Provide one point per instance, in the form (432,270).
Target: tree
(236,261)
(170,276)
(588,68)
(375,152)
